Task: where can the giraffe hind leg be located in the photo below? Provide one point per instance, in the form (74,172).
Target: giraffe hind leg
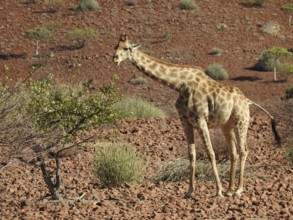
(242,139)
(204,133)
(232,148)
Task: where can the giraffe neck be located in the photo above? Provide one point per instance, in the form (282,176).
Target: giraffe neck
(174,76)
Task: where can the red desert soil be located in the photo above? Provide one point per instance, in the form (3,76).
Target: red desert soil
(174,35)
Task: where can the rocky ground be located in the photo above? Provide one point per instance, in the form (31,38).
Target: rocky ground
(178,36)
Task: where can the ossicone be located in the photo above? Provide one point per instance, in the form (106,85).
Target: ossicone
(123,37)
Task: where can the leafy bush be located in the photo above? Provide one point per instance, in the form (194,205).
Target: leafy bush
(82,35)
(137,108)
(38,34)
(215,51)
(187,4)
(216,72)
(117,164)
(270,59)
(266,63)
(71,110)
(285,70)
(88,5)
(178,170)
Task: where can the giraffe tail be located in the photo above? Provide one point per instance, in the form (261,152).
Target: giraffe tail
(273,124)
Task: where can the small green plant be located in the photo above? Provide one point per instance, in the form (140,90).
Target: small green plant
(285,70)
(82,35)
(216,72)
(270,59)
(258,3)
(38,34)
(289,93)
(137,108)
(88,5)
(287,7)
(178,170)
(216,51)
(188,5)
(5,67)
(117,164)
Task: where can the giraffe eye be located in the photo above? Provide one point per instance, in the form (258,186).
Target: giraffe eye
(125,49)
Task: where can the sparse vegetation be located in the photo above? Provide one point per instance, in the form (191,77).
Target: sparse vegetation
(258,3)
(188,5)
(82,35)
(137,108)
(88,5)
(215,51)
(285,70)
(288,8)
(272,27)
(289,93)
(117,164)
(50,119)
(138,80)
(53,4)
(217,72)
(178,170)
(38,34)
(289,149)
(270,59)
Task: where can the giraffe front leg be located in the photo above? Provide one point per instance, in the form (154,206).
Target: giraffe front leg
(204,133)
(189,134)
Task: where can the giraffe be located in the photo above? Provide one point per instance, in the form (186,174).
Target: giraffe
(203,103)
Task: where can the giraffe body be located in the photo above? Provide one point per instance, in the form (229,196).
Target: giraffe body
(202,103)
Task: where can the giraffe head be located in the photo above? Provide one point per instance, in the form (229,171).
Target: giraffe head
(124,50)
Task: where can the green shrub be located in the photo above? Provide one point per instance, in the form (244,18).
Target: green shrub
(179,169)
(137,108)
(289,93)
(216,72)
(287,7)
(117,164)
(82,35)
(285,70)
(188,5)
(71,110)
(88,5)
(38,34)
(215,51)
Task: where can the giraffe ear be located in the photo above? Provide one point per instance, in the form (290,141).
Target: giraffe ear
(135,46)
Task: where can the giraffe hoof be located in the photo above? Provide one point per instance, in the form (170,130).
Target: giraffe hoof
(219,195)
(237,194)
(228,193)
(188,196)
